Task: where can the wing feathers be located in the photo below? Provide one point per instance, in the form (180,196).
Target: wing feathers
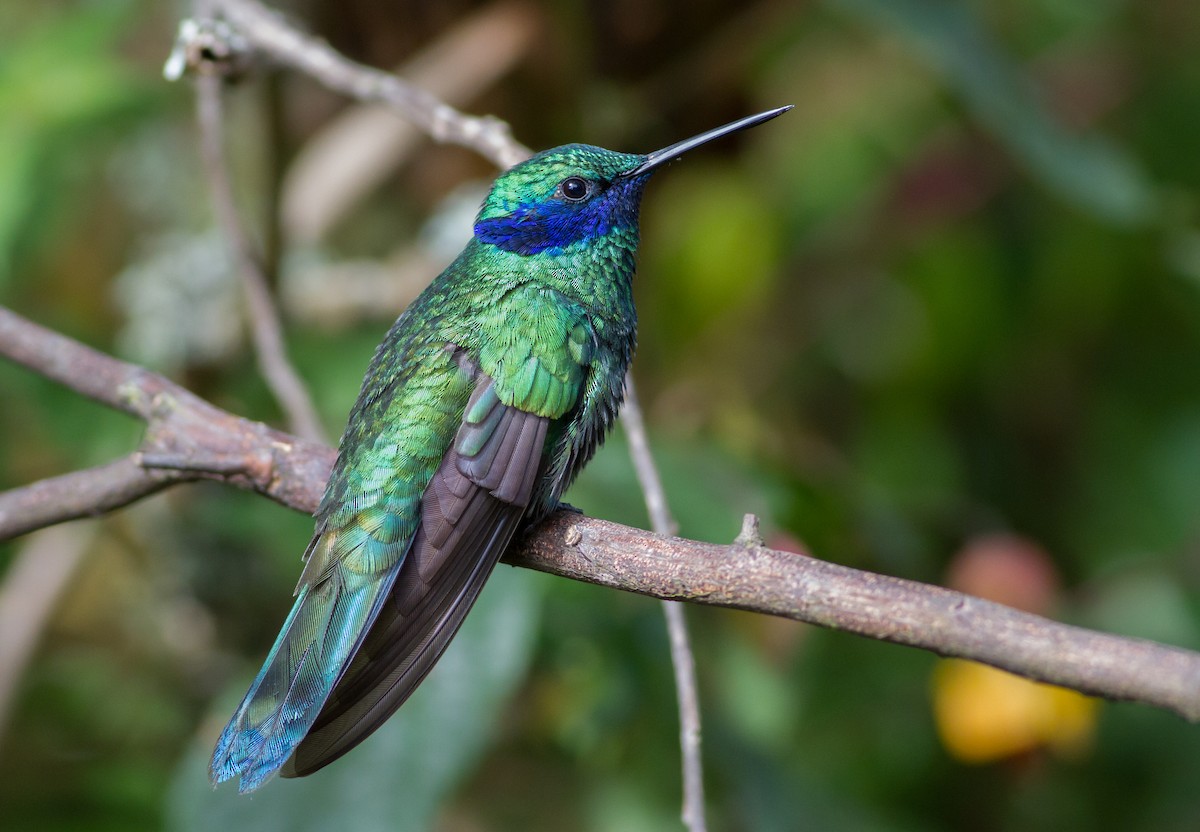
(469,512)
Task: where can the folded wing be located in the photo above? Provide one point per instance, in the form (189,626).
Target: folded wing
(469,513)
(379,602)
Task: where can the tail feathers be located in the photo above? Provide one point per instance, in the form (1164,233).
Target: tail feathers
(321,634)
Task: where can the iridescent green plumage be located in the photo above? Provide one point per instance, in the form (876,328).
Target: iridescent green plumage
(481,405)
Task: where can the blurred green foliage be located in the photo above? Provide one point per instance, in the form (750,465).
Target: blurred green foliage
(955,292)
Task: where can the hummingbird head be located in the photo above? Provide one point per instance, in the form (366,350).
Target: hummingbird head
(577,194)
(561,198)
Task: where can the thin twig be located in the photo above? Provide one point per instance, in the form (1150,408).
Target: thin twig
(188,431)
(265,326)
(268,33)
(643,462)
(682,659)
(363,144)
(85,493)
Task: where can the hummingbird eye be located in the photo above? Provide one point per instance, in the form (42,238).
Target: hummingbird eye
(575,189)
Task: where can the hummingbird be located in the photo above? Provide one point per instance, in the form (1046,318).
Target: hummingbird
(481,405)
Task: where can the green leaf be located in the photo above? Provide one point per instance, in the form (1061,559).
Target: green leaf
(397,779)
(1087,170)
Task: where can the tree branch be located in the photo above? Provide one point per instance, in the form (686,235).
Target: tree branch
(107,380)
(78,494)
(186,439)
(746,575)
(194,439)
(265,32)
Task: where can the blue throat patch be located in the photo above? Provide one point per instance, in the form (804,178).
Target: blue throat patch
(554,225)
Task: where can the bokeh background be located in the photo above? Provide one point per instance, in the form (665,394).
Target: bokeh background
(941,321)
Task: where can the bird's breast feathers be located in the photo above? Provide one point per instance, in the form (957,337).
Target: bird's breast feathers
(536,344)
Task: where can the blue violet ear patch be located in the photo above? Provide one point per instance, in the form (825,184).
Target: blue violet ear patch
(558,223)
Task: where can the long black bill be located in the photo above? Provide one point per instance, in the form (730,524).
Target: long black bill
(661,157)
